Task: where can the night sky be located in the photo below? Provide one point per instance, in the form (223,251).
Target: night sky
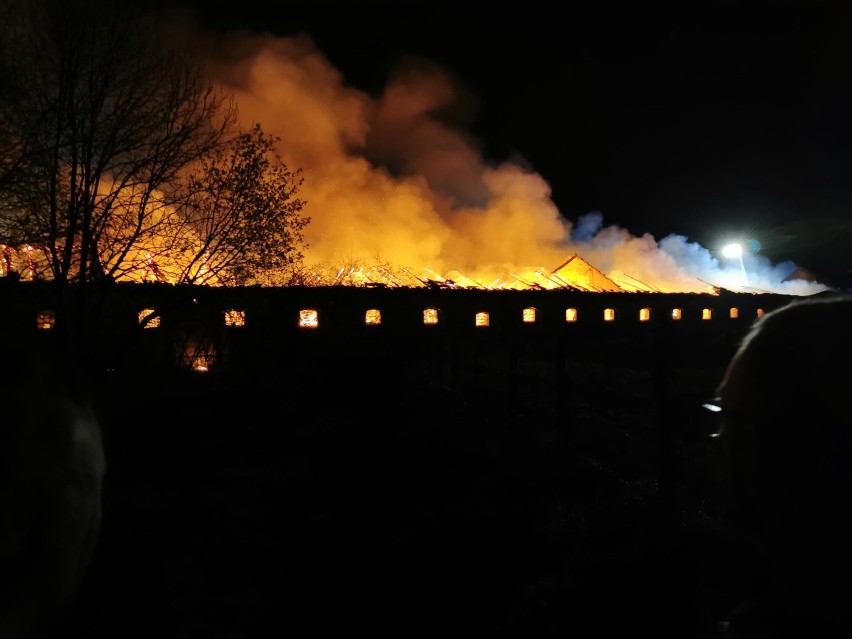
(714,120)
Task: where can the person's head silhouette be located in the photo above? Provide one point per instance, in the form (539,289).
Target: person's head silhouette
(787,442)
(52,468)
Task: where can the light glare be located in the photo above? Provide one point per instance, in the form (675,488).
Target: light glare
(732,251)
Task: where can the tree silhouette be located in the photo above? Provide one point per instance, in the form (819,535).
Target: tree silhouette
(106,120)
(243,210)
(119,157)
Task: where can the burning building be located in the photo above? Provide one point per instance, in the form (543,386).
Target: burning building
(400,195)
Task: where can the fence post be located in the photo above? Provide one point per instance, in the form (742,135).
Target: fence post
(661,370)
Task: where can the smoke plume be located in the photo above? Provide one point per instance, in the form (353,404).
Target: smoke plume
(388,180)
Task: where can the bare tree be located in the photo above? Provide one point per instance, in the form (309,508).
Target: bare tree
(240,222)
(98,138)
(12,143)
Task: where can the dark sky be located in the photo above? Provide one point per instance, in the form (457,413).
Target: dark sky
(710,119)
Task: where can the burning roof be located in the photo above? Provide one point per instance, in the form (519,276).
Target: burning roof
(393,178)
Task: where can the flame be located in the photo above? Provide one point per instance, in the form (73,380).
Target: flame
(399,194)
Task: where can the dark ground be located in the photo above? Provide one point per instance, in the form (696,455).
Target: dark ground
(397,496)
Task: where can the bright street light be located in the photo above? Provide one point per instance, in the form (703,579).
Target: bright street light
(732,251)
(735,252)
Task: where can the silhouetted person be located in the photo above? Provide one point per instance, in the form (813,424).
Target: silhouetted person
(787,443)
(51,472)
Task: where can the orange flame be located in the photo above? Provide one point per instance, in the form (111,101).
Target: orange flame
(399,196)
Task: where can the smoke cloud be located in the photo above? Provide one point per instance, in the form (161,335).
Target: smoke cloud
(389,180)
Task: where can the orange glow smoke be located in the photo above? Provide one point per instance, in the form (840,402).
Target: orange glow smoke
(387,181)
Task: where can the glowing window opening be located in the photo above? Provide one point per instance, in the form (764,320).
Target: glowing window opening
(735,312)
(570,314)
(199,357)
(760,312)
(146,319)
(529,315)
(609,315)
(234,317)
(46,320)
(706,314)
(373,317)
(644,314)
(677,313)
(482,319)
(308,318)
(430,316)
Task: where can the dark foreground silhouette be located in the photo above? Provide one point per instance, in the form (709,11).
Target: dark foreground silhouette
(395,496)
(787,438)
(400,495)
(51,473)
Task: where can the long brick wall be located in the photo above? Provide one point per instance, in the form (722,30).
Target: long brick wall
(206,329)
